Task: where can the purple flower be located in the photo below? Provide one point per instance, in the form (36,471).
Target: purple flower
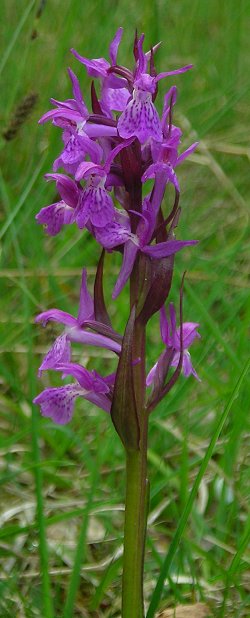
(114,93)
(74,331)
(58,403)
(60,213)
(140,117)
(171,338)
(96,205)
(120,233)
(71,110)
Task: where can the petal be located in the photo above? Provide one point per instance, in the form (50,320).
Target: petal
(62,112)
(142,58)
(166,172)
(96,206)
(175,72)
(129,256)
(115,151)
(169,100)
(112,235)
(186,153)
(100,400)
(169,247)
(58,403)
(189,333)
(114,99)
(114,45)
(66,187)
(151,375)
(54,217)
(88,168)
(79,335)
(73,152)
(187,366)
(86,306)
(96,68)
(78,95)
(88,380)
(140,118)
(100,130)
(58,353)
(56,315)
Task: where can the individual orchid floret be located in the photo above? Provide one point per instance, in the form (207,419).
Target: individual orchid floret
(77,147)
(165,153)
(58,403)
(171,337)
(78,136)
(114,92)
(140,117)
(75,330)
(120,233)
(166,159)
(96,204)
(71,110)
(60,213)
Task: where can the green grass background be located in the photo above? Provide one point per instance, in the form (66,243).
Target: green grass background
(62,489)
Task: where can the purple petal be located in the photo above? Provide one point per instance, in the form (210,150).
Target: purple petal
(100,130)
(140,118)
(112,235)
(97,206)
(56,315)
(146,227)
(73,152)
(100,400)
(96,68)
(89,147)
(129,256)
(164,249)
(67,114)
(55,216)
(175,72)
(164,171)
(58,403)
(151,375)
(78,95)
(142,58)
(170,96)
(66,187)
(187,367)
(86,306)
(58,353)
(78,335)
(114,99)
(88,380)
(113,153)
(114,45)
(186,153)
(88,168)
(189,335)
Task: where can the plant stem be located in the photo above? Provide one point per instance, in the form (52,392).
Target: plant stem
(135,531)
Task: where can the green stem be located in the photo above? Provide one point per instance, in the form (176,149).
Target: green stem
(135,531)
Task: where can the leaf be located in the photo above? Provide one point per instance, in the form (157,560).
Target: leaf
(124,411)
(161,276)
(101,314)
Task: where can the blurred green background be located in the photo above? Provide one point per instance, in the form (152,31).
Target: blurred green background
(63,486)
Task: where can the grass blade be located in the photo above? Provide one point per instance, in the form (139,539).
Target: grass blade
(15,36)
(154,604)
